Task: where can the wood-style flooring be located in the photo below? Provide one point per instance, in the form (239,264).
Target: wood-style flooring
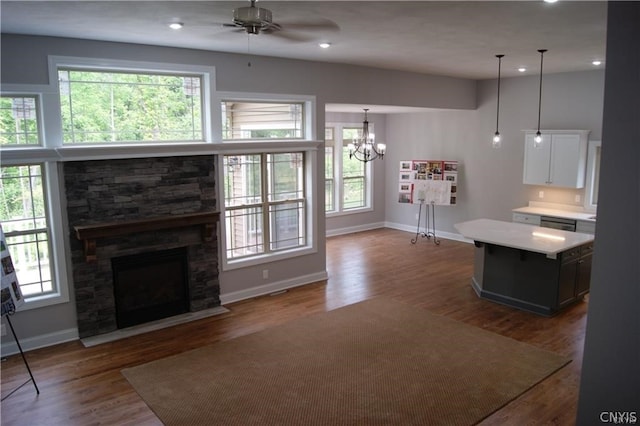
(84,386)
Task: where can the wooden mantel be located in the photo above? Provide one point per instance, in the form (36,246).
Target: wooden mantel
(88,234)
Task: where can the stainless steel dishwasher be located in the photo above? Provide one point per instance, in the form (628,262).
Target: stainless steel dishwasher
(558,223)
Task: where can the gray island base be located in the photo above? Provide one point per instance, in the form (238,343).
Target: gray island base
(536,269)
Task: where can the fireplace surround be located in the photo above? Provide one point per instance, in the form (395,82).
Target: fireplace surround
(143,192)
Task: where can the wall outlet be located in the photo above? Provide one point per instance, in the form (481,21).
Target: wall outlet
(577,198)
(3,330)
(541,194)
(265,274)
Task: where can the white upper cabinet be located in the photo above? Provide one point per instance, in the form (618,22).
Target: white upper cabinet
(560,160)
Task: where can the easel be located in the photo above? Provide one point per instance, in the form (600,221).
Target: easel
(430,222)
(31,379)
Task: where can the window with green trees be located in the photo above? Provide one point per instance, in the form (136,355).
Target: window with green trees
(25,224)
(114,107)
(19,120)
(347,180)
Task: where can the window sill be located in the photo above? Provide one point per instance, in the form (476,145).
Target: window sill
(36,302)
(230,265)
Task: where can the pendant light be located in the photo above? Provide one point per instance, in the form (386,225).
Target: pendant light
(537,140)
(364,148)
(496,136)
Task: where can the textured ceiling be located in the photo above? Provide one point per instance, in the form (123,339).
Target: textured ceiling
(451,38)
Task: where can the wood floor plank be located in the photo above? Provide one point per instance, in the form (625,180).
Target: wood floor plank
(83,386)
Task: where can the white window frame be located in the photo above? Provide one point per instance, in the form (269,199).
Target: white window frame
(24,155)
(338,145)
(309,145)
(94,151)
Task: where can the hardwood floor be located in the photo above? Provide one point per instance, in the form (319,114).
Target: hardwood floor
(84,386)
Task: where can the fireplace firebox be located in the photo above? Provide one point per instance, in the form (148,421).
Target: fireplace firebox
(150,286)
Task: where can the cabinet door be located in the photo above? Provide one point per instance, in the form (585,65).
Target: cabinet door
(567,277)
(537,160)
(564,168)
(584,275)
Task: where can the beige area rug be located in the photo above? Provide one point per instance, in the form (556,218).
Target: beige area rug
(377,362)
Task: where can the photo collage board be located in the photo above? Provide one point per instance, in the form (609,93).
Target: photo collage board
(428,181)
(10,293)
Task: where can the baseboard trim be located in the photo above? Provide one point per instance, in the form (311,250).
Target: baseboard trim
(275,287)
(353,229)
(439,234)
(37,342)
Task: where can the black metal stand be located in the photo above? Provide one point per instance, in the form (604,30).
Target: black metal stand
(430,222)
(31,379)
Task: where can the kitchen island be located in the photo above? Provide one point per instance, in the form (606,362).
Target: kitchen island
(540,270)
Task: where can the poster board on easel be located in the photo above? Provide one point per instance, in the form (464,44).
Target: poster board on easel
(432,182)
(10,293)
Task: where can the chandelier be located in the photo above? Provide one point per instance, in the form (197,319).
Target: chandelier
(363,148)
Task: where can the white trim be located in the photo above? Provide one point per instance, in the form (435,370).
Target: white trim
(40,341)
(440,234)
(354,229)
(270,288)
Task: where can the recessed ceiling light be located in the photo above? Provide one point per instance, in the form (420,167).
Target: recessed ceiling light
(325,45)
(596,63)
(176,25)
(550,1)
(522,69)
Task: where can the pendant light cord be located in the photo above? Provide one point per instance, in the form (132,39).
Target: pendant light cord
(540,94)
(498,106)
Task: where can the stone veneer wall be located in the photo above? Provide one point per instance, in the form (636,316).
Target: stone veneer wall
(100,191)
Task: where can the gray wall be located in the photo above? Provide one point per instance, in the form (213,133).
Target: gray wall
(24,61)
(490,180)
(611,366)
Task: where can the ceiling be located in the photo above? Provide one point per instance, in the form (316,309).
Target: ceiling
(454,38)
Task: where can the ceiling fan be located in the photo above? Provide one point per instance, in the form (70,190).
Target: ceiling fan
(255,20)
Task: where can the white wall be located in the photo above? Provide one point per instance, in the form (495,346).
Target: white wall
(490,180)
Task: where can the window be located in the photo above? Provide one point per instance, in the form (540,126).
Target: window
(19,118)
(262,120)
(347,180)
(329,170)
(24,205)
(25,224)
(354,176)
(265,203)
(100,106)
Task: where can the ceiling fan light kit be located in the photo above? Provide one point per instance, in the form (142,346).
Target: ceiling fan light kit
(253,19)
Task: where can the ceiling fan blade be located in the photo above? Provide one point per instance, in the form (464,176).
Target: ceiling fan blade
(315,25)
(290,36)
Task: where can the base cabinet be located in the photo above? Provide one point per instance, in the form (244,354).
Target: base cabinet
(531,281)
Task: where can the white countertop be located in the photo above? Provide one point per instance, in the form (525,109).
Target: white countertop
(545,211)
(521,236)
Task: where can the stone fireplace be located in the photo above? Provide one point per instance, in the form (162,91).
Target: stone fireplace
(140,209)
